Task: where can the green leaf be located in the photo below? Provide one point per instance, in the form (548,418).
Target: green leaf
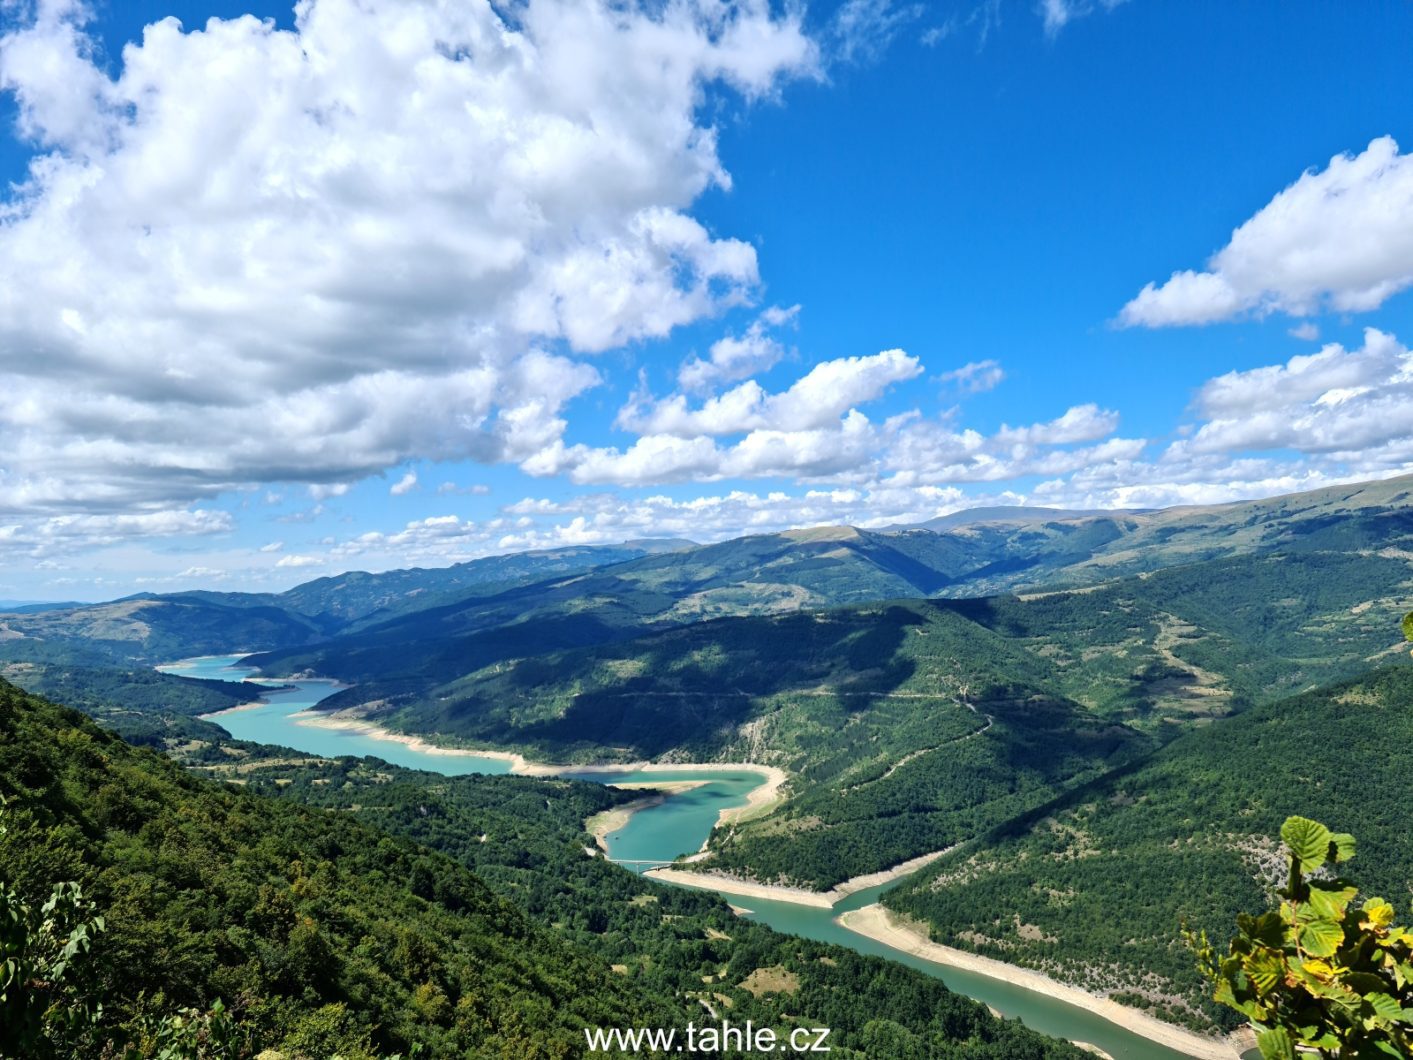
(1378,913)
(1320,938)
(1329,903)
(1384,1007)
(1308,840)
(1275,1044)
(1408,626)
(1344,846)
(1366,982)
(1264,969)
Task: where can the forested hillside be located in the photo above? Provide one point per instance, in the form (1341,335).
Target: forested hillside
(1090,889)
(324,935)
(526,839)
(914,725)
(1350,540)
(321,935)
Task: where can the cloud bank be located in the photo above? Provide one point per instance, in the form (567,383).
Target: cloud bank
(394,231)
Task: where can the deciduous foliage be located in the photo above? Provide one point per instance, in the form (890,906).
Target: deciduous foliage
(300,921)
(47,1004)
(1322,972)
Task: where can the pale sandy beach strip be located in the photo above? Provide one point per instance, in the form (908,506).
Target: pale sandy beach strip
(795,895)
(417,743)
(767,794)
(232,710)
(879,924)
(707,881)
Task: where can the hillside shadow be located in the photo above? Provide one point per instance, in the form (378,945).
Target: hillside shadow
(695,684)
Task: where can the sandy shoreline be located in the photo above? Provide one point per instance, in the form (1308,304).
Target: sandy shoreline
(316,720)
(765,795)
(705,881)
(795,895)
(600,825)
(232,710)
(879,924)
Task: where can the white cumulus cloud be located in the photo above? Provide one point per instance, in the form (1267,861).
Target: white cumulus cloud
(736,357)
(249,254)
(1335,401)
(1339,238)
(298,561)
(815,400)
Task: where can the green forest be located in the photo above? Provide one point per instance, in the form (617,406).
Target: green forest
(1089,890)
(1106,763)
(327,930)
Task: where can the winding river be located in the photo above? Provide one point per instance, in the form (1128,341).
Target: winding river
(678,825)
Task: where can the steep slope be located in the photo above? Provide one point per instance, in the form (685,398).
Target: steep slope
(321,935)
(1092,889)
(829,566)
(917,724)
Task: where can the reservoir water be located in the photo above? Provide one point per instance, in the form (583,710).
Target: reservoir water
(679,825)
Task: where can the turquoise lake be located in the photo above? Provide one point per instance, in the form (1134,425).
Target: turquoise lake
(655,835)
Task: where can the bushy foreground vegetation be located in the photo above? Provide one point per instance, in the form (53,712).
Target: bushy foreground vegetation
(1322,973)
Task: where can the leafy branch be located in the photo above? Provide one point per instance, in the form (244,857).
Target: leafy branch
(1319,974)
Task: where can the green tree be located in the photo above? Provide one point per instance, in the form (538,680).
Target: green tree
(1319,974)
(190,1035)
(45,1006)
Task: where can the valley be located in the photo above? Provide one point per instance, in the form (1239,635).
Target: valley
(605,529)
(1059,776)
(652,834)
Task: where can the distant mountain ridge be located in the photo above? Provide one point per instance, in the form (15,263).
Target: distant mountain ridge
(1016,514)
(148,628)
(352,625)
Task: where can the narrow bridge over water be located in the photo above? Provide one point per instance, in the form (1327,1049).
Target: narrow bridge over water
(640,863)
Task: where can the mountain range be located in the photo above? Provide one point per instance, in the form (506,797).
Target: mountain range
(1129,699)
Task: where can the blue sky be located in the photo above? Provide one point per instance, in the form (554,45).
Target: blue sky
(391,285)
